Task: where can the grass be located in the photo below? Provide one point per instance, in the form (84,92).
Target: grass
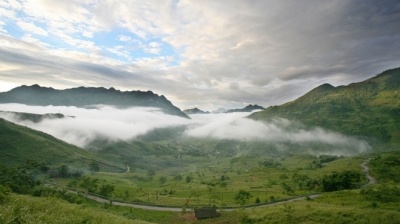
(28,209)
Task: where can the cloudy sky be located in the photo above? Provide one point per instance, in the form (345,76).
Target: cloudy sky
(206,53)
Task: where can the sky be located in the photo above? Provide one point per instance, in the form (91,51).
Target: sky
(207,54)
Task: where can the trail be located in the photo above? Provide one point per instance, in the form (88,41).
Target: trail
(101,199)
(371,180)
(127,169)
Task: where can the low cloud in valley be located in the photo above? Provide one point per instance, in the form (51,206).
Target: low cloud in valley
(80,126)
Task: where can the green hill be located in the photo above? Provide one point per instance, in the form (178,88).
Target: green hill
(85,96)
(19,144)
(368,109)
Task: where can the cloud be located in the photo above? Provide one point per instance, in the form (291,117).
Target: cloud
(280,131)
(193,50)
(82,126)
(30,27)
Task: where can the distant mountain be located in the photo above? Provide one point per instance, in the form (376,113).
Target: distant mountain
(85,96)
(195,111)
(248,108)
(219,110)
(369,109)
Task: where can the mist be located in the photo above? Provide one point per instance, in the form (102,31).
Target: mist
(81,126)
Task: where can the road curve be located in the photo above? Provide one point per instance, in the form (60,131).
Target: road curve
(371,180)
(100,199)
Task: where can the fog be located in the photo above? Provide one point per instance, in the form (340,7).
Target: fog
(80,126)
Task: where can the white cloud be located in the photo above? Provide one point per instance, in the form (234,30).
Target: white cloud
(32,28)
(124,38)
(81,126)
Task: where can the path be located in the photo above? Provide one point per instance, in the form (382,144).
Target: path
(127,169)
(371,180)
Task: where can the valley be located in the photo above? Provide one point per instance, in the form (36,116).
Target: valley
(311,160)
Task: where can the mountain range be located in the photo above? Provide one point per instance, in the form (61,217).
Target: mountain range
(248,108)
(368,109)
(86,96)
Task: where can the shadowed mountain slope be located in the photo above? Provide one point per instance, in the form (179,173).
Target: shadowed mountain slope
(86,96)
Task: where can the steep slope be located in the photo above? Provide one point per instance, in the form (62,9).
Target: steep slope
(19,144)
(84,96)
(368,109)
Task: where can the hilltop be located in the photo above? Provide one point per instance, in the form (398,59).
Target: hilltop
(368,109)
(86,96)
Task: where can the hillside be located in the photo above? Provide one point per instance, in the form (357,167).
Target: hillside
(19,144)
(84,96)
(369,109)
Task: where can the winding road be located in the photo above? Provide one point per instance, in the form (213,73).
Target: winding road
(371,180)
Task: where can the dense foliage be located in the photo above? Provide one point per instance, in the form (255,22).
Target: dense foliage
(386,167)
(340,181)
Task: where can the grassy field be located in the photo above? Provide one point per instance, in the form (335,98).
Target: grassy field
(218,183)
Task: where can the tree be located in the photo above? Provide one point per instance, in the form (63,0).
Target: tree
(151,173)
(89,184)
(340,181)
(162,180)
(178,177)
(189,179)
(106,190)
(94,167)
(242,196)
(63,171)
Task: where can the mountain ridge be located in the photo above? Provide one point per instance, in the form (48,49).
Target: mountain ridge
(85,96)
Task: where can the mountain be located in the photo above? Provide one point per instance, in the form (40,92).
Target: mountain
(19,144)
(35,118)
(85,96)
(195,111)
(248,108)
(219,110)
(369,109)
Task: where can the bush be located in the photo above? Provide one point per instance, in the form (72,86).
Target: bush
(340,181)
(4,194)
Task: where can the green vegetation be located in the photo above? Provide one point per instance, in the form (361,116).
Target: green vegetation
(367,109)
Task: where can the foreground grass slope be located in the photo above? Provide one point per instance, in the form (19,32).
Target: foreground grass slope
(369,109)
(28,209)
